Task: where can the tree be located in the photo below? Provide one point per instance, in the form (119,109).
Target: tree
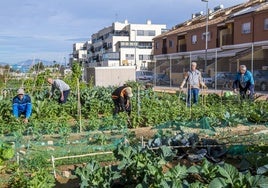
(37,67)
(76,74)
(76,70)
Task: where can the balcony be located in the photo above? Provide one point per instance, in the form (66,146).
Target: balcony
(111,56)
(181,48)
(227,39)
(131,44)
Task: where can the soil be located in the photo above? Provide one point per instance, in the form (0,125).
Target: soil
(141,133)
(149,132)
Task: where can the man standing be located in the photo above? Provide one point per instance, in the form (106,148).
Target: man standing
(22,105)
(62,87)
(121,98)
(194,80)
(245,82)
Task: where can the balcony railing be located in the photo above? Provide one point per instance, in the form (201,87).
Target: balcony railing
(181,48)
(227,39)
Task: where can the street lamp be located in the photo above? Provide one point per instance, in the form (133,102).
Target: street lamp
(206,52)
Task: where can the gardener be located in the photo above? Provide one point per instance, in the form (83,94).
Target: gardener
(245,82)
(22,105)
(121,98)
(194,80)
(62,87)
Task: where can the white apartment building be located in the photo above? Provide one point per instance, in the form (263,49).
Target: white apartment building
(123,44)
(79,52)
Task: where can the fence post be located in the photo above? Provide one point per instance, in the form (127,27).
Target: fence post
(53,165)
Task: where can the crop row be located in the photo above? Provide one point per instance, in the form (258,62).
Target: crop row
(149,109)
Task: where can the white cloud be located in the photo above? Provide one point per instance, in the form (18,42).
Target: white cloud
(48,27)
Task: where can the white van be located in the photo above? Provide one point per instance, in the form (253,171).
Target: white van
(144,76)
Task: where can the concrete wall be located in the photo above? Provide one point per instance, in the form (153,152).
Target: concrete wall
(110,76)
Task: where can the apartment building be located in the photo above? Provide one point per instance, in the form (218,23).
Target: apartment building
(79,52)
(218,41)
(121,44)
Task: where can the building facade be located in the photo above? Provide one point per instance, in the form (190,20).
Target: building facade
(235,35)
(79,52)
(121,44)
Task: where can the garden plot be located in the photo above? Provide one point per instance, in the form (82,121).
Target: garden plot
(76,138)
(65,169)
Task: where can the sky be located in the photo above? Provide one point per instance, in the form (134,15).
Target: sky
(33,29)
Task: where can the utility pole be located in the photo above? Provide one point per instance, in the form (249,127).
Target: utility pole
(206,48)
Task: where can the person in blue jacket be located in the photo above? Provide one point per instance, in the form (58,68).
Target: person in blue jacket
(245,82)
(22,105)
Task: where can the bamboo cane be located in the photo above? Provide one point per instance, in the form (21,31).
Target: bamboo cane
(79,106)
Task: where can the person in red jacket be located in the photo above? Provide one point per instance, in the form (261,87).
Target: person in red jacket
(121,98)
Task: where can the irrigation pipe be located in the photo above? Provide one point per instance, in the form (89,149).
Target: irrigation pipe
(53,159)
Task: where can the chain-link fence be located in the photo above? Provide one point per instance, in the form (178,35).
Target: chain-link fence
(219,66)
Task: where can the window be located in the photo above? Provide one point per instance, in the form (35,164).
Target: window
(145,33)
(110,45)
(156,45)
(151,33)
(246,28)
(145,45)
(204,36)
(140,32)
(194,39)
(170,43)
(145,57)
(127,44)
(266,24)
(129,56)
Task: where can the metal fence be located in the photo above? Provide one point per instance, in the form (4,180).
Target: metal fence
(218,66)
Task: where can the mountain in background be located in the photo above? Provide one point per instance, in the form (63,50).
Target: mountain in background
(24,66)
(31,62)
(2,64)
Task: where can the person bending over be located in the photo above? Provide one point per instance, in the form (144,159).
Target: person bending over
(245,82)
(62,87)
(121,98)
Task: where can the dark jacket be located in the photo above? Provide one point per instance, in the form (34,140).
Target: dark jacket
(23,106)
(120,96)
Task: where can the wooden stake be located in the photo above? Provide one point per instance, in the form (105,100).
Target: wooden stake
(79,106)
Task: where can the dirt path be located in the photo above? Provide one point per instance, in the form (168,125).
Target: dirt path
(263,94)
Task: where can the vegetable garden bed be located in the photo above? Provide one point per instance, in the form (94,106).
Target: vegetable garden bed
(70,130)
(66,176)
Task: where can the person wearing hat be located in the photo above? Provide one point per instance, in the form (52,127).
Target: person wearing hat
(245,82)
(121,98)
(22,105)
(62,87)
